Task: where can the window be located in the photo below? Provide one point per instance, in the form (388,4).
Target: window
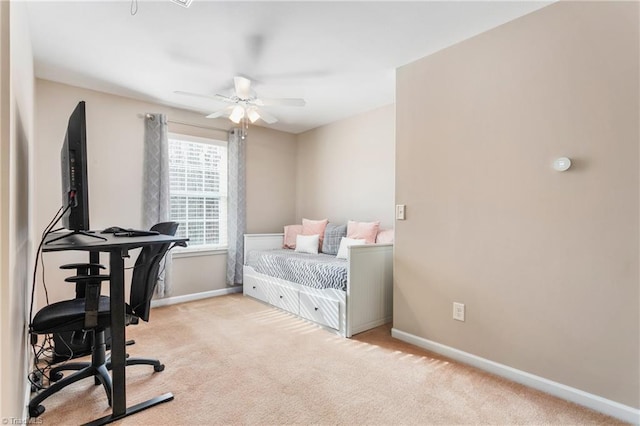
(198,190)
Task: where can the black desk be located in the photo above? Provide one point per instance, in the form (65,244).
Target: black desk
(118,248)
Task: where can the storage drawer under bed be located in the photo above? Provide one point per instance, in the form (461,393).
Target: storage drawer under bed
(258,289)
(284,297)
(320,309)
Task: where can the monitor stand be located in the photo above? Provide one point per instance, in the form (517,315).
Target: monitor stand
(69,234)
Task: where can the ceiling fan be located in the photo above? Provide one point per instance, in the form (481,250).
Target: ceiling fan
(245,106)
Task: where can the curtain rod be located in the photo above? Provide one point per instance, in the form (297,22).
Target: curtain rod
(188,124)
(198,125)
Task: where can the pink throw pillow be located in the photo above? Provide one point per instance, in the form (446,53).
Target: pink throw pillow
(363,230)
(291,232)
(385,236)
(314,227)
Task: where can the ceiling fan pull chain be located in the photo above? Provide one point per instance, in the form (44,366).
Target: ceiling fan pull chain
(245,127)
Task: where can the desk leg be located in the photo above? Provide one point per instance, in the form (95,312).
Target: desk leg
(118,354)
(118,351)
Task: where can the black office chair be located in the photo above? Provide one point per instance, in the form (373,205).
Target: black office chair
(73,344)
(87,273)
(73,315)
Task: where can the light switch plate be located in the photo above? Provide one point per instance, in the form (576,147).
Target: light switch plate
(458,311)
(400,212)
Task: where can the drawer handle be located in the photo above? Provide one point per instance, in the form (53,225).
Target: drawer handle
(254,287)
(316,308)
(281,296)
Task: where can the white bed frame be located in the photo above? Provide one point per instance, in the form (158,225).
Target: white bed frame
(367,302)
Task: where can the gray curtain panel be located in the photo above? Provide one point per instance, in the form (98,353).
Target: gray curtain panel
(236,207)
(155,207)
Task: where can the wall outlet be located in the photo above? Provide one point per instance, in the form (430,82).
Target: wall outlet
(458,311)
(400,212)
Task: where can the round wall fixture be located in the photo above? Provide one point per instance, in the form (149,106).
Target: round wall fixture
(562,164)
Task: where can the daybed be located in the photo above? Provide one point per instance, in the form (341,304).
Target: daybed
(364,302)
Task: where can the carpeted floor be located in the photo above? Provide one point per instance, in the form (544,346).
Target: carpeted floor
(233,360)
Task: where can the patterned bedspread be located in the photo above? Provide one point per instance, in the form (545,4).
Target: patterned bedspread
(313,270)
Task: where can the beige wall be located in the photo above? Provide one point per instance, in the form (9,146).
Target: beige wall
(16,123)
(271,180)
(546,262)
(346,169)
(114,144)
(7,407)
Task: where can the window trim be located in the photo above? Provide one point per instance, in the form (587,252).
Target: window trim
(197,139)
(208,250)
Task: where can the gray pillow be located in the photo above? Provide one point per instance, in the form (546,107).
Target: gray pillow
(332,236)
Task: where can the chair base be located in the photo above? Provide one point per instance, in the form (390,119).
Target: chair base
(156,364)
(56,372)
(97,369)
(99,372)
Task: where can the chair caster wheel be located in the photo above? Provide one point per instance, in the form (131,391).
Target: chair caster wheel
(158,368)
(36,411)
(56,376)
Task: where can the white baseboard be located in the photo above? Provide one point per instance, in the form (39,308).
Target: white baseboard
(595,402)
(27,399)
(370,325)
(196,296)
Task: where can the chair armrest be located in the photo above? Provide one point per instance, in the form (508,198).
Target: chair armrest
(83,269)
(92,284)
(91,303)
(82,266)
(88,283)
(91,294)
(87,278)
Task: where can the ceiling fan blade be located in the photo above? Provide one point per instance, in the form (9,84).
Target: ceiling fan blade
(225,99)
(266,117)
(217,114)
(180,92)
(281,101)
(243,87)
(296,75)
(222,113)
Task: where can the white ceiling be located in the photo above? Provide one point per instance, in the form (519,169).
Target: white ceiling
(339,56)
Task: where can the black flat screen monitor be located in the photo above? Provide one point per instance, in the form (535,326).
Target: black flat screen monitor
(73,157)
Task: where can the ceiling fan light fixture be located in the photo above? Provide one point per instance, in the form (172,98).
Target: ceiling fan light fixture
(183,3)
(237,114)
(244,106)
(253,115)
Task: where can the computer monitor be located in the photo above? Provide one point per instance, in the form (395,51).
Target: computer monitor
(73,162)
(73,170)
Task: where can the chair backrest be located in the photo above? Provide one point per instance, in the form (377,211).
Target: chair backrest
(145,272)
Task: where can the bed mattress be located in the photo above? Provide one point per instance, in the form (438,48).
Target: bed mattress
(312,270)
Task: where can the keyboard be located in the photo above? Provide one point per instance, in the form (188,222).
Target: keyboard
(134,233)
(128,232)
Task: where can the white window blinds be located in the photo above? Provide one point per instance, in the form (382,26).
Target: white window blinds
(198,189)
